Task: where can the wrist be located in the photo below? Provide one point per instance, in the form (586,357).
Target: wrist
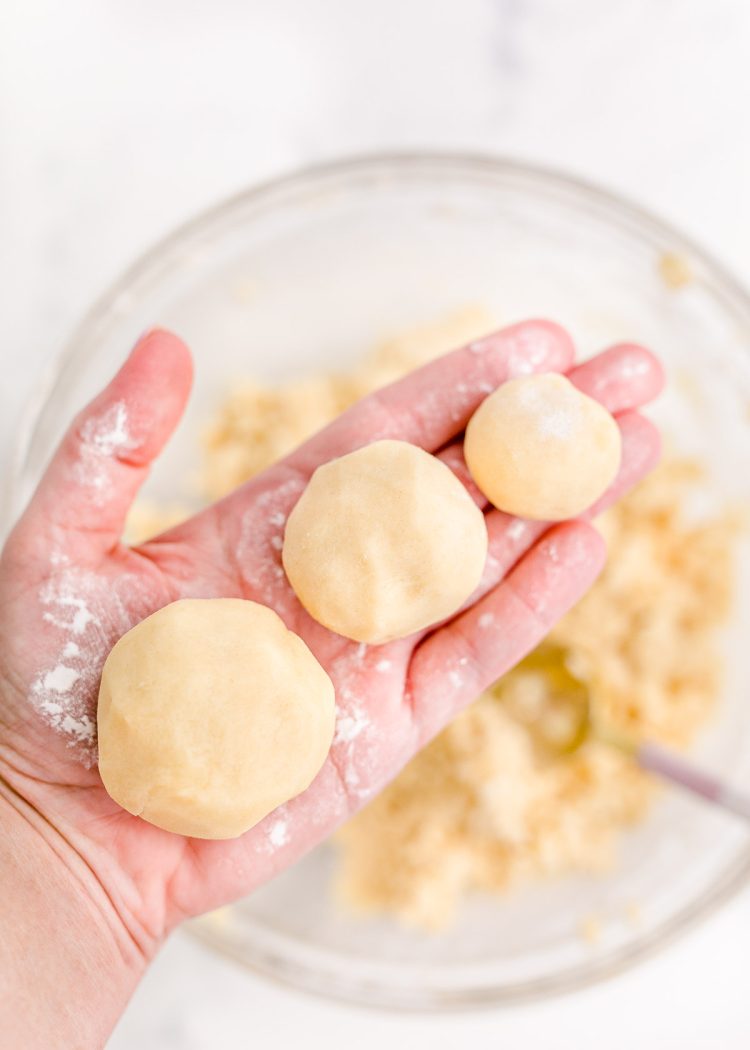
(68,960)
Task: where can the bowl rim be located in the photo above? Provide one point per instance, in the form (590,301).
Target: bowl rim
(552,179)
(618,210)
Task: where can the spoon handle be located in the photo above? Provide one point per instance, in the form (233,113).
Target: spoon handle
(678,771)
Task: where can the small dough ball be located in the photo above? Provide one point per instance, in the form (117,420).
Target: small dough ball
(539,448)
(384,542)
(211,714)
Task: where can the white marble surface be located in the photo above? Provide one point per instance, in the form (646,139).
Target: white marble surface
(119,120)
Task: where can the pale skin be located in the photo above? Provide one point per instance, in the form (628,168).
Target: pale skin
(90,891)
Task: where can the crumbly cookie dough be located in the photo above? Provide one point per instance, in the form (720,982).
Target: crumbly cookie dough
(675,270)
(488,806)
(259,422)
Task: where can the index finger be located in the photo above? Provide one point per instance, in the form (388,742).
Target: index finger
(431,406)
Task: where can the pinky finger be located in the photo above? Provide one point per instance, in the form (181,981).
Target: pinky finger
(451,667)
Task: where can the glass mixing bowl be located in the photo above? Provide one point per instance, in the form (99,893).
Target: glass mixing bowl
(307,273)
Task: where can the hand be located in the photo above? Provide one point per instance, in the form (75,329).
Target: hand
(69,589)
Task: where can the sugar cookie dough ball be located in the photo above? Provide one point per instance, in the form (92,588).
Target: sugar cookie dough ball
(541,449)
(384,542)
(211,714)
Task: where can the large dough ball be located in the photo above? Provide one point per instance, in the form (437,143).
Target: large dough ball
(384,542)
(541,449)
(211,714)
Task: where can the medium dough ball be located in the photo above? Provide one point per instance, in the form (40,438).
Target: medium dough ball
(539,448)
(211,714)
(384,542)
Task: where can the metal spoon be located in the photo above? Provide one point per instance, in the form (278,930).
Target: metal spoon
(567,720)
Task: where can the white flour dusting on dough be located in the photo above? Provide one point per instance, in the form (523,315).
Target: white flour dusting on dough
(559,424)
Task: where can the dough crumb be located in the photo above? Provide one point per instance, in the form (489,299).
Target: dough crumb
(592,929)
(634,915)
(675,270)
(148,518)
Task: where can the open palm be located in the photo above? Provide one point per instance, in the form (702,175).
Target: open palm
(69,589)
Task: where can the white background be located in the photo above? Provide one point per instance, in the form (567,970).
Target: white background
(120,119)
